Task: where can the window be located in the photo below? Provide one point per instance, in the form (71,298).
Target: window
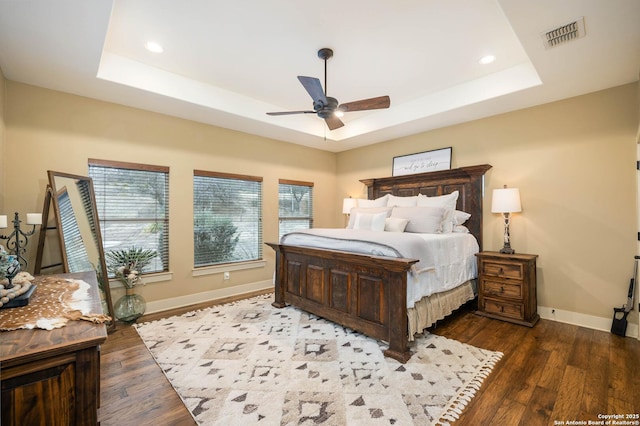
(227,218)
(295,206)
(133,207)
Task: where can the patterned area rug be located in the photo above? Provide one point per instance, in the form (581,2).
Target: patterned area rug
(248,363)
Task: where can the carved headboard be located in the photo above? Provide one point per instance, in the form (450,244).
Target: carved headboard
(468,180)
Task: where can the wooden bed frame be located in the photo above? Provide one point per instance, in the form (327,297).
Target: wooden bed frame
(368,293)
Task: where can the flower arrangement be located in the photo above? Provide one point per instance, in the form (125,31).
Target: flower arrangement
(9,265)
(5,262)
(127,264)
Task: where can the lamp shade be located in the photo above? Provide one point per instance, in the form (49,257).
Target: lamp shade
(34,218)
(506,200)
(348,204)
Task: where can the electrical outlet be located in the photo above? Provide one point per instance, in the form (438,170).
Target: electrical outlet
(226,276)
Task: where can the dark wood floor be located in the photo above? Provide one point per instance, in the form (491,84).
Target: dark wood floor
(551,373)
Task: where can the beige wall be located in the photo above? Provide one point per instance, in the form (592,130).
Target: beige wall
(574,162)
(50,130)
(2,139)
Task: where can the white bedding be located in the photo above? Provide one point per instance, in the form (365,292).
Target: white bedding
(445,260)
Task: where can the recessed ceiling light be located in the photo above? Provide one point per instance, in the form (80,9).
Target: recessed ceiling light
(487,59)
(154,47)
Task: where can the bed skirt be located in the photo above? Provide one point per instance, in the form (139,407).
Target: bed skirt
(430,309)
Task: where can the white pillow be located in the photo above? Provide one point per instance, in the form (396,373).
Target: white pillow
(448,202)
(395,224)
(356,210)
(461,229)
(422,220)
(460,217)
(371,221)
(378,202)
(394,201)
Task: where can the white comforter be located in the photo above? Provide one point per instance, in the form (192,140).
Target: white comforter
(445,260)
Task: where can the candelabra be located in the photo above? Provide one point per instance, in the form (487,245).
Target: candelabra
(17,241)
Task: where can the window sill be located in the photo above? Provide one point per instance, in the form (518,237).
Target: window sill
(219,269)
(146,279)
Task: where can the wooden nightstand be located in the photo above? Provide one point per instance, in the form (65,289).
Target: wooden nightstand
(507,287)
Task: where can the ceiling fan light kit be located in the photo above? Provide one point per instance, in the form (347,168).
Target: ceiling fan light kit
(327,107)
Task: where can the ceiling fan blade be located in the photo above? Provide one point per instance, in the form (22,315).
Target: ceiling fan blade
(333,122)
(314,88)
(290,112)
(366,104)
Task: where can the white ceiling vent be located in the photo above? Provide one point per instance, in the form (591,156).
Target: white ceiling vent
(564,33)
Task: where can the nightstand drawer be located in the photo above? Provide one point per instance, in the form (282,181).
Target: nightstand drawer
(502,269)
(505,309)
(502,289)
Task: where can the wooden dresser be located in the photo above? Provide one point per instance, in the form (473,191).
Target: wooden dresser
(53,377)
(507,287)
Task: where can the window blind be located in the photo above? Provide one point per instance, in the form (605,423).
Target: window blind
(133,208)
(85,196)
(227,217)
(77,256)
(295,206)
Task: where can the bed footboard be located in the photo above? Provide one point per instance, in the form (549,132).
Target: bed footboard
(364,293)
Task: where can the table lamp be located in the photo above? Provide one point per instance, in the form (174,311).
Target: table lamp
(506,201)
(348,204)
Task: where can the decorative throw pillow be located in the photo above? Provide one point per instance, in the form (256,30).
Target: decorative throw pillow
(370,221)
(423,220)
(394,201)
(448,202)
(356,210)
(395,224)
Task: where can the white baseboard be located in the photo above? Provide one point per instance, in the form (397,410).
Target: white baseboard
(207,296)
(588,321)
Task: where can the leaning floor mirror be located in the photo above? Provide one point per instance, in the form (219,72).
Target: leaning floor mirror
(74,204)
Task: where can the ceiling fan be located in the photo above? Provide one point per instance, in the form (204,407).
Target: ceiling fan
(327,107)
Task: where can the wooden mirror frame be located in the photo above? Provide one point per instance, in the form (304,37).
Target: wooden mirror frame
(97,265)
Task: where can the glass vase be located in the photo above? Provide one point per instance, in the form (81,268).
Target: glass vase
(129,307)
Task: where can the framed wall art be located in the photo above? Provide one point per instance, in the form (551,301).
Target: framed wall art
(428,161)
